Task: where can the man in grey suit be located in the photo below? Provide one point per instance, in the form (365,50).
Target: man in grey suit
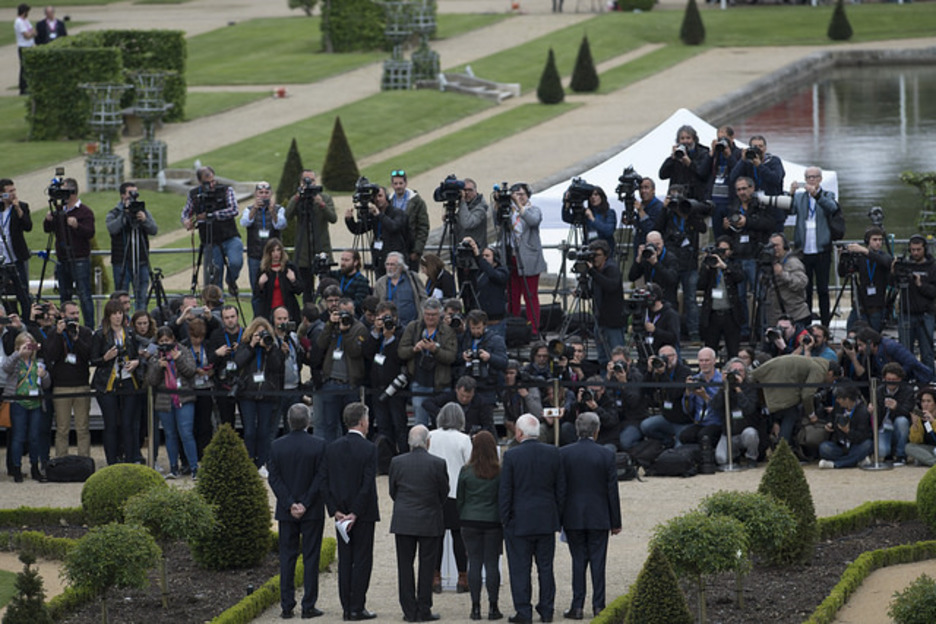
(532,495)
(592,509)
(418,487)
(297,478)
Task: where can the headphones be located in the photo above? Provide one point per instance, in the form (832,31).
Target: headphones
(786,243)
(656,292)
(919,239)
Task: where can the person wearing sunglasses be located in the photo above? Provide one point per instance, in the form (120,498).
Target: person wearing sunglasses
(417,216)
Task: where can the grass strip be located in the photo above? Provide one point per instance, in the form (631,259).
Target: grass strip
(202,104)
(645,66)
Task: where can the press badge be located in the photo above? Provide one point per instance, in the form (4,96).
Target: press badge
(71,358)
(337,354)
(264,233)
(667,405)
(737,414)
(231,366)
(258,378)
(744,238)
(378,245)
(201,380)
(872,290)
(685,242)
(379,359)
(718,293)
(34,392)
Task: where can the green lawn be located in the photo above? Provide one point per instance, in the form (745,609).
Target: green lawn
(204,104)
(647,65)
(8,37)
(7,587)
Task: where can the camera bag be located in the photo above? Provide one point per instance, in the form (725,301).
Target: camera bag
(682,461)
(551,317)
(645,452)
(519,332)
(69,469)
(627,469)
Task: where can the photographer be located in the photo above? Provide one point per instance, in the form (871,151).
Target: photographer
(312,210)
(15,220)
(489,283)
(725,155)
(668,419)
(660,321)
(483,357)
(354,284)
(68,351)
(872,265)
(26,384)
(260,362)
(749,223)
(294,356)
(212,208)
(784,339)
(922,445)
(812,235)
(593,398)
(429,347)
(342,341)
(608,299)
(748,427)
(381,348)
(188,309)
(851,432)
(402,287)
(412,205)
(277,282)
(453,316)
(73,226)
(130,225)
(656,266)
(648,207)
(526,260)
(919,275)
(816,344)
(596,216)
(797,379)
(440,284)
(786,293)
(479,414)
(519,396)
(722,314)
(222,344)
(895,401)
(627,399)
(472,215)
(881,350)
(689,166)
(762,167)
(388,224)
(700,389)
(264,221)
(174,369)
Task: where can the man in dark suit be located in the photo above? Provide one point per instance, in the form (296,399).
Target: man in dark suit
(351,462)
(592,509)
(418,486)
(15,221)
(297,477)
(49,29)
(532,494)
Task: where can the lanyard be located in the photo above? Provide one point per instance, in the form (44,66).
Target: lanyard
(349,282)
(227,338)
(655,318)
(718,273)
(680,223)
(120,341)
(259,351)
(474,343)
(263,218)
(391,288)
(428,286)
(812,208)
(68,343)
(338,345)
(432,337)
(199,357)
(872,267)
(381,343)
(4,222)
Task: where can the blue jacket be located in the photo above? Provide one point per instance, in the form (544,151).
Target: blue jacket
(892,351)
(825,206)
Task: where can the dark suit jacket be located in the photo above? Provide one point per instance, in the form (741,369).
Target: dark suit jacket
(19,225)
(297,474)
(532,489)
(351,465)
(43,32)
(418,486)
(592,501)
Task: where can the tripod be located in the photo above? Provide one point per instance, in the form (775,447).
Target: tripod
(852,280)
(764,281)
(306,235)
(363,242)
(57,210)
(582,306)
(156,289)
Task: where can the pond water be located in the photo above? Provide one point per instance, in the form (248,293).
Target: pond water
(869,124)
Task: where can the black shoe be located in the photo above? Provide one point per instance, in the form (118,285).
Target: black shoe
(475,611)
(287,614)
(410,618)
(346,616)
(308,614)
(429,617)
(358,616)
(518,619)
(546,618)
(17,475)
(494,613)
(573,614)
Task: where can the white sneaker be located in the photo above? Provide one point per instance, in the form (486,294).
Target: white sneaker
(865,462)
(263,472)
(825,463)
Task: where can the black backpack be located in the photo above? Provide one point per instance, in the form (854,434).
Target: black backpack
(69,469)
(645,452)
(682,461)
(837,224)
(627,468)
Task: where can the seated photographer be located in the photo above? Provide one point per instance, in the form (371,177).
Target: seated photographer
(656,266)
(812,429)
(660,322)
(386,222)
(647,208)
(720,279)
(816,344)
(263,221)
(519,395)
(312,210)
(369,311)
(922,445)
(785,338)
(483,356)
(880,350)
(478,413)
(626,398)
(786,291)
(665,403)
(872,265)
(700,388)
(278,283)
(593,398)
(402,287)
(608,299)
(748,426)
(895,400)
(388,376)
(851,435)
(555,407)
(130,225)
(351,281)
(440,284)
(725,155)
(918,322)
(587,205)
(540,366)
(852,362)
(689,165)
(488,289)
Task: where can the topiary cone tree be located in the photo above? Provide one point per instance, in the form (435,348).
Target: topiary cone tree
(657,598)
(28,604)
(340,172)
(692,31)
(584,76)
(784,480)
(550,89)
(288,183)
(228,480)
(839,27)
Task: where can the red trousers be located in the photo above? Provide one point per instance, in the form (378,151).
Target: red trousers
(527,286)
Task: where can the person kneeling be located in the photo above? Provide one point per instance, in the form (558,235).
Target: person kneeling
(851,442)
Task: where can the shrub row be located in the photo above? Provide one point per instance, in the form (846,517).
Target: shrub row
(864,515)
(41,516)
(39,544)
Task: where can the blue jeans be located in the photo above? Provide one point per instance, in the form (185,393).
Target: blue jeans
(253,271)
(420,415)
(233,250)
(886,436)
(179,423)
(124,275)
(26,424)
(256,417)
(690,282)
(72,276)
(630,436)
(334,397)
(658,428)
(921,332)
(845,458)
(609,337)
(875,319)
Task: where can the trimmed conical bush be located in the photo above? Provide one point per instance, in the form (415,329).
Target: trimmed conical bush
(550,89)
(288,183)
(584,76)
(657,598)
(340,172)
(692,31)
(784,480)
(839,28)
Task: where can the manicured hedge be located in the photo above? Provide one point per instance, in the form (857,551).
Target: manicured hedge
(39,544)
(354,25)
(864,515)
(41,516)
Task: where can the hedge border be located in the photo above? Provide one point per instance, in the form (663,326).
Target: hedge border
(864,515)
(41,516)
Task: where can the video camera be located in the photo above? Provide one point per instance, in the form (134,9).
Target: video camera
(628,186)
(766,256)
(135,206)
(56,192)
(322,264)
(449,191)
(364,193)
(287,327)
(577,196)
(580,259)
(904,269)
(464,256)
(638,303)
(500,199)
(876,216)
(307,189)
(848,261)
(209,200)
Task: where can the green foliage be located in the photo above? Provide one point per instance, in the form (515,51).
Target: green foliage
(550,89)
(352,25)
(305,5)
(616,611)
(692,31)
(769,524)
(696,544)
(106,491)
(41,516)
(69,601)
(926,498)
(228,480)
(916,604)
(340,171)
(865,515)
(656,597)
(839,28)
(39,544)
(584,76)
(57,107)
(639,5)
(28,606)
(171,514)
(784,480)
(286,188)
(113,555)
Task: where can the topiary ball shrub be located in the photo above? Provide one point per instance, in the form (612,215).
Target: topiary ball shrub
(839,27)
(550,89)
(916,604)
(107,490)
(926,498)
(228,480)
(692,31)
(657,598)
(769,524)
(784,480)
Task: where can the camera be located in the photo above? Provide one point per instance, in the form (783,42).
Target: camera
(288,327)
(751,153)
(587,395)
(723,143)
(848,261)
(619,367)
(783,203)
(767,255)
(734,221)
(842,420)
(500,198)
(807,339)
(876,216)
(904,269)
(456,322)
(71,327)
(56,192)
(577,195)
(364,193)
(680,152)
(399,383)
(135,206)
(559,350)
(657,363)
(322,264)
(628,185)
(307,189)
(648,252)
(849,344)
(164,349)
(388,322)
(687,207)
(209,200)
(580,259)
(44,308)
(464,256)
(733,378)
(266,338)
(449,191)
(474,363)
(712,255)
(345,319)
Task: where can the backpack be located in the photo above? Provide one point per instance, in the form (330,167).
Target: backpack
(682,461)
(69,469)
(645,452)
(627,468)
(837,224)
(518,330)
